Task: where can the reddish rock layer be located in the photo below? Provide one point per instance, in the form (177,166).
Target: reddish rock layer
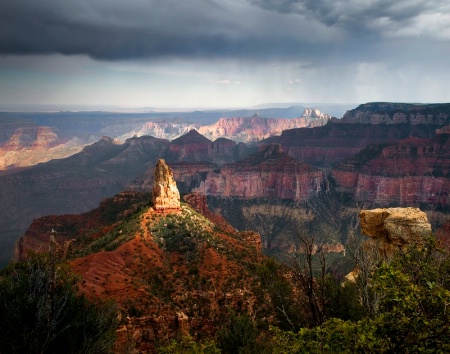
(95,222)
(411,172)
(334,143)
(194,147)
(443,234)
(155,285)
(269,173)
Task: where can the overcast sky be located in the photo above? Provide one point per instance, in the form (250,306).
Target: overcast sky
(228,53)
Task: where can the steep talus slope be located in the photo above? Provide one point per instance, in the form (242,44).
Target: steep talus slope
(158,267)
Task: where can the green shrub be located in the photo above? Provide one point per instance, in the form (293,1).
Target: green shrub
(41,312)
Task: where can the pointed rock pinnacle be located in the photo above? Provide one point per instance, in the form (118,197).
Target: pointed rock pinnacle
(166,196)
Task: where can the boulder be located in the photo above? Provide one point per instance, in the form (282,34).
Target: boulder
(395,228)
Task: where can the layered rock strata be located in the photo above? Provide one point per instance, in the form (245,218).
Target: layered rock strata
(270,173)
(255,128)
(333,143)
(410,172)
(395,113)
(166,196)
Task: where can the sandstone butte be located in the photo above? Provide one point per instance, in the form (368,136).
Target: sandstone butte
(166,196)
(395,228)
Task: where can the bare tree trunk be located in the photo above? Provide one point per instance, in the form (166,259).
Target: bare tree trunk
(313,288)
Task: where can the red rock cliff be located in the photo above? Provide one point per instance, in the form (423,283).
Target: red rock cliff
(410,172)
(334,143)
(268,173)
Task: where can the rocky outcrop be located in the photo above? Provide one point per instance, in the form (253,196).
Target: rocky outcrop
(269,173)
(395,228)
(197,202)
(166,196)
(255,128)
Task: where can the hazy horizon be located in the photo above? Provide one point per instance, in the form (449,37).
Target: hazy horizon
(207,54)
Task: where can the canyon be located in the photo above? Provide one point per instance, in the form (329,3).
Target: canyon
(307,180)
(335,142)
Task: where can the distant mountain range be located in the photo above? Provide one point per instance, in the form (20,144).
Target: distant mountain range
(29,138)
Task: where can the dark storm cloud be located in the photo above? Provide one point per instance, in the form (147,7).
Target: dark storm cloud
(354,14)
(112,30)
(241,29)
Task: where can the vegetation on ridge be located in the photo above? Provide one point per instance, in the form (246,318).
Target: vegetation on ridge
(236,300)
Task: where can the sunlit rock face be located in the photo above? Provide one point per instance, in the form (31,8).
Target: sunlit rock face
(255,128)
(166,196)
(395,228)
(269,173)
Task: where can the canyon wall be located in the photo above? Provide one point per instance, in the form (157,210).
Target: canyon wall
(410,172)
(333,143)
(395,113)
(268,173)
(30,145)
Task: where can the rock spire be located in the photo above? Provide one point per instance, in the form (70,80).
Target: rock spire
(166,196)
